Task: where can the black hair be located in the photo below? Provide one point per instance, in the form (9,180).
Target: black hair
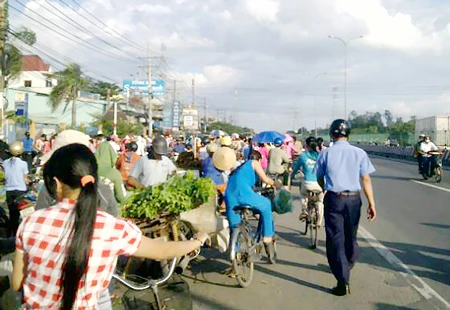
(255,155)
(69,165)
(320,143)
(311,142)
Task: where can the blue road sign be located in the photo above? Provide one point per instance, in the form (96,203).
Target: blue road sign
(141,86)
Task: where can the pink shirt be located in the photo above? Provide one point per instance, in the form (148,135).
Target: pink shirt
(265,156)
(289,148)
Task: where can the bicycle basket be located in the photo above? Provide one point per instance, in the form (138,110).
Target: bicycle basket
(283,203)
(174,294)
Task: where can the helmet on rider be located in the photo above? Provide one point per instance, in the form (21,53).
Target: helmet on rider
(16,148)
(340,128)
(278,142)
(226,141)
(132,147)
(206,140)
(159,146)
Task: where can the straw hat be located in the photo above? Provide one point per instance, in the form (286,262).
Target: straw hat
(64,138)
(224,158)
(212,147)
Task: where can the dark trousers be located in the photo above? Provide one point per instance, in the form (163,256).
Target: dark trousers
(14,213)
(342,215)
(428,165)
(28,157)
(420,162)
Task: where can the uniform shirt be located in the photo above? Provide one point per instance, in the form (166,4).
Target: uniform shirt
(15,169)
(151,172)
(342,167)
(44,238)
(277,159)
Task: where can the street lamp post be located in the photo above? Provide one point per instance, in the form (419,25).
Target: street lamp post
(315,105)
(345,68)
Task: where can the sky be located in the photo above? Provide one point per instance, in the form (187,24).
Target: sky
(265,64)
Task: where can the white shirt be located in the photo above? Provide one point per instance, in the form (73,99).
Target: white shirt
(141,146)
(202,153)
(15,170)
(151,172)
(427,147)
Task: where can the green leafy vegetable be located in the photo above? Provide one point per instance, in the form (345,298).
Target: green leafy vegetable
(177,195)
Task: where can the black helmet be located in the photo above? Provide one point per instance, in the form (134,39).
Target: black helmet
(132,146)
(159,146)
(340,128)
(206,140)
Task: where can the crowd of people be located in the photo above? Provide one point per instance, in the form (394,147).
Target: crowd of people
(86,178)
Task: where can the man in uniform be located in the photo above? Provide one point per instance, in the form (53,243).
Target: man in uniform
(340,171)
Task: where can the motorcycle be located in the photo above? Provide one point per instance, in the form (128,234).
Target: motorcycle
(27,201)
(438,170)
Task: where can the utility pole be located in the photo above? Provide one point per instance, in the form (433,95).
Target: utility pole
(175,90)
(345,68)
(193,92)
(204,115)
(108,102)
(150,94)
(3,17)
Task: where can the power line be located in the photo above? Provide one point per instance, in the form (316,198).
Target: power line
(87,45)
(125,39)
(75,24)
(30,49)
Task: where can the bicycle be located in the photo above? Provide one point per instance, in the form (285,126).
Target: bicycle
(136,283)
(247,244)
(438,171)
(312,218)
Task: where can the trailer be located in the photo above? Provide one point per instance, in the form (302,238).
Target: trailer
(437,127)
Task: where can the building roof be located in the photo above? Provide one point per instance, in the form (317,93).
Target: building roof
(34,63)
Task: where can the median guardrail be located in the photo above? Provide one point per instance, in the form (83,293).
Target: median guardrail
(405,153)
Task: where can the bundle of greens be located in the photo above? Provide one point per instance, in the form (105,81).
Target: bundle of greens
(177,195)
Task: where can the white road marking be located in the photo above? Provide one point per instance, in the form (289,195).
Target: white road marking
(432,186)
(415,281)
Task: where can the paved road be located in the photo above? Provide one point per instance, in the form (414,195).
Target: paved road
(404,264)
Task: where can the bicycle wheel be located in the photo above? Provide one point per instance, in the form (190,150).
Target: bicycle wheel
(186,232)
(438,174)
(306,221)
(314,219)
(241,259)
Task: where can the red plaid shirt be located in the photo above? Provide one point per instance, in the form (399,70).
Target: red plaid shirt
(43,236)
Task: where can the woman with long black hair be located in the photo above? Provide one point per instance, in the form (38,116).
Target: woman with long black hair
(66,254)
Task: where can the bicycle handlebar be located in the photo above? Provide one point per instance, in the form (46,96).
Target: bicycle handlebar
(150,282)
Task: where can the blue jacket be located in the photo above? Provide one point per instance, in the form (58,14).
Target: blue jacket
(307,162)
(210,171)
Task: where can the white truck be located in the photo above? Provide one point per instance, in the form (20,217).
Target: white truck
(437,127)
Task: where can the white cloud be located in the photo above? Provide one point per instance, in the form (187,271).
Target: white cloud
(218,75)
(181,40)
(421,108)
(263,10)
(225,15)
(156,9)
(396,31)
